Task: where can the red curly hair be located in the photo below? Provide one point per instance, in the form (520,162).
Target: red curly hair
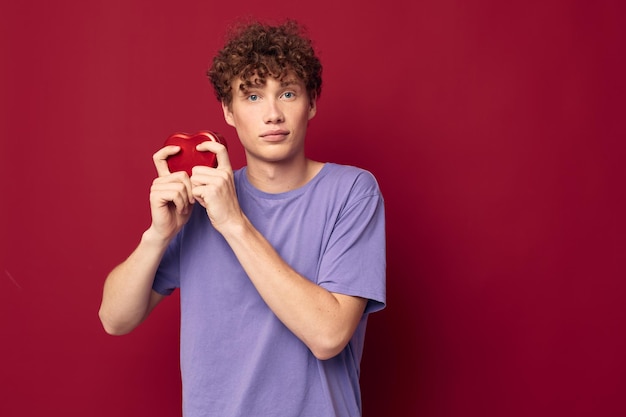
(260,50)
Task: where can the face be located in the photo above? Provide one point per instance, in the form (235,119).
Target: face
(271,119)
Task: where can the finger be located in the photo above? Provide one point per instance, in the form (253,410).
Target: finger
(177,180)
(199,195)
(218,179)
(164,193)
(223,161)
(160,159)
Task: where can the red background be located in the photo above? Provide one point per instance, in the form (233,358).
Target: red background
(495,129)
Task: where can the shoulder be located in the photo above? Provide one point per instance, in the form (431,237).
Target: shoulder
(353,179)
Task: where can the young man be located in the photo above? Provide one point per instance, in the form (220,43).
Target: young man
(278,263)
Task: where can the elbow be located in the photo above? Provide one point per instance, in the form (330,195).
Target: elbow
(325,354)
(324,348)
(112,327)
(114,331)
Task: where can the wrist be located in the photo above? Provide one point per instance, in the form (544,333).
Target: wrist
(236,229)
(151,237)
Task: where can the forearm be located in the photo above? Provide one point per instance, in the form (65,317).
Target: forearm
(324,321)
(127,293)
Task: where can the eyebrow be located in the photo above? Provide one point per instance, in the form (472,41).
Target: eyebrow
(288,82)
(243,87)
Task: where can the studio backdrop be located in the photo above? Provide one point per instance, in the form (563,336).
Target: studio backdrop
(495,129)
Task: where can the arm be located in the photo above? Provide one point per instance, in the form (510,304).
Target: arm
(128,297)
(324,321)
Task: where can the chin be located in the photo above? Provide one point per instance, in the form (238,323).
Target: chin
(274,157)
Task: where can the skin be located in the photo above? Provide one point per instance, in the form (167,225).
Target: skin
(271,122)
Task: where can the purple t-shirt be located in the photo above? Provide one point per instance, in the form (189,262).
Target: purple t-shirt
(237,358)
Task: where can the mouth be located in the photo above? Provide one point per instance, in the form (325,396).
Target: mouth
(274,135)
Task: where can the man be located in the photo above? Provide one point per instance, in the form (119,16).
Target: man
(278,263)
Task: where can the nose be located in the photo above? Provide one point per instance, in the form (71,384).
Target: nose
(273,112)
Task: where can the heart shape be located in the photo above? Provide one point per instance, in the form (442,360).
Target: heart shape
(188,156)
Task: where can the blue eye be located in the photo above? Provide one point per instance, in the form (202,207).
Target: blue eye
(253,97)
(289,94)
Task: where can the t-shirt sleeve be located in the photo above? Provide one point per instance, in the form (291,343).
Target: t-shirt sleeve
(167,277)
(354,262)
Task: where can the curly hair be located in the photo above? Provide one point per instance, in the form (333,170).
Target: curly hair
(260,50)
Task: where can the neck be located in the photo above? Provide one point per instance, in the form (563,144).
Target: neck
(279,178)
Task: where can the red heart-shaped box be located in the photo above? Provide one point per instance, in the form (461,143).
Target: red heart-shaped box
(188,156)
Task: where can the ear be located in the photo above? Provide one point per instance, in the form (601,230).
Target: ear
(228,114)
(312,107)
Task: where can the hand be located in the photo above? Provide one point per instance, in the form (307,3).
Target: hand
(214,188)
(171,198)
